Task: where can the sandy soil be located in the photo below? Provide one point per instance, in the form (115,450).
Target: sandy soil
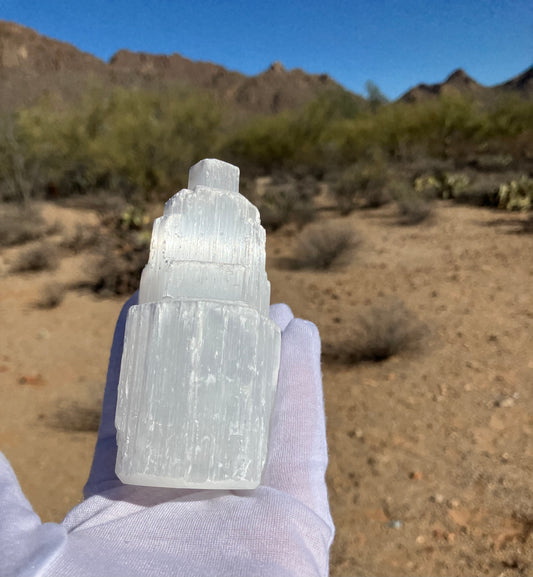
(431,451)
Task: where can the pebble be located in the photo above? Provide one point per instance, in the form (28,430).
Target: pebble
(504,401)
(454,503)
(507,402)
(43,334)
(438,498)
(395,524)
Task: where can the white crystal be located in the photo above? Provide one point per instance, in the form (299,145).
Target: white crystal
(201,357)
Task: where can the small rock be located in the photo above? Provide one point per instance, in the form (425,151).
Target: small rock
(416,475)
(438,498)
(450,537)
(454,503)
(43,334)
(420,540)
(505,402)
(474,365)
(395,524)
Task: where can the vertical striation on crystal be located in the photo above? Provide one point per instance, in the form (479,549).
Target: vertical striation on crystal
(201,356)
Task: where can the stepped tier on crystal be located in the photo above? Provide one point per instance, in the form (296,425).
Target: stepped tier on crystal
(201,356)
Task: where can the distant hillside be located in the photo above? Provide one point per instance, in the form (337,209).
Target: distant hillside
(522,83)
(32,65)
(459,82)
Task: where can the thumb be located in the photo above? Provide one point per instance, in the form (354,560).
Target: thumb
(26,545)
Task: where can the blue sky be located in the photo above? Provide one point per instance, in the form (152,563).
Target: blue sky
(394,43)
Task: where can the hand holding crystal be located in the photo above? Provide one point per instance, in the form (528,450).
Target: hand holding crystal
(282,528)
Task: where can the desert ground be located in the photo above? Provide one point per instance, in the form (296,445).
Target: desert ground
(431,449)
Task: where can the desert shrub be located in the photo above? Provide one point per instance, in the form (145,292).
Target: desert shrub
(491,162)
(527,224)
(364,184)
(82,238)
(19,172)
(275,215)
(322,245)
(55,227)
(293,140)
(37,258)
(376,197)
(413,210)
(377,333)
(123,139)
(516,194)
(19,225)
(263,142)
(286,200)
(51,297)
(481,192)
(118,271)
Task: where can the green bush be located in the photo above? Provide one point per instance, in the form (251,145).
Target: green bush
(140,143)
(293,140)
(130,140)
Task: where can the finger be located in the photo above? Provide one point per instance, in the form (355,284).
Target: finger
(281,314)
(102,475)
(297,456)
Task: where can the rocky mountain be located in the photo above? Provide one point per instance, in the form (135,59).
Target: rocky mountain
(459,82)
(523,83)
(32,65)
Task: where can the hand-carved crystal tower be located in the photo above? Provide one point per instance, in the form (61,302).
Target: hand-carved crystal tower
(201,357)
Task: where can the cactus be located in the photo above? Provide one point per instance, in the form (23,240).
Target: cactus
(516,194)
(443,185)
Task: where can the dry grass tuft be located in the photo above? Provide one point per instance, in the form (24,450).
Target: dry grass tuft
(82,238)
(323,245)
(380,332)
(37,258)
(119,272)
(414,210)
(52,296)
(20,225)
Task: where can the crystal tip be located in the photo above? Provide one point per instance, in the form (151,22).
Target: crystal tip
(214,173)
